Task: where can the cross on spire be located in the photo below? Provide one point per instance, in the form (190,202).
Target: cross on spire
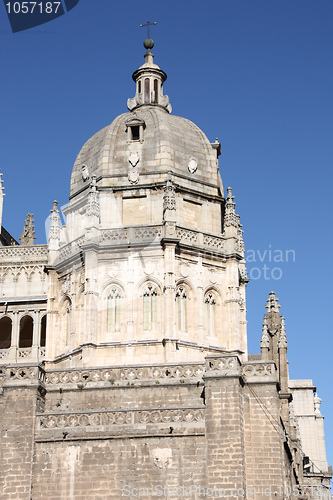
(148,23)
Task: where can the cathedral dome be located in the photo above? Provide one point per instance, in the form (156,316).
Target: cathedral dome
(158,142)
(143,146)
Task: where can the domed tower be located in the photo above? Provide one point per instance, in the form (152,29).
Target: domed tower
(150,264)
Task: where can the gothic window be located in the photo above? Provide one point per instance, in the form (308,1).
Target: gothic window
(210,307)
(156,91)
(67,316)
(150,307)
(181,306)
(5,332)
(114,310)
(147,91)
(26,331)
(43,331)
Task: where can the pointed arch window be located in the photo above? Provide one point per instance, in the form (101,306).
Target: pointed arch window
(5,332)
(210,310)
(181,306)
(155,91)
(114,310)
(150,307)
(43,331)
(147,91)
(67,315)
(26,331)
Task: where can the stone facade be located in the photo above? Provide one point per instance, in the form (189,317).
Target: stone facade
(124,369)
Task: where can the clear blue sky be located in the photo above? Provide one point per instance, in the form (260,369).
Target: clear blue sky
(257,74)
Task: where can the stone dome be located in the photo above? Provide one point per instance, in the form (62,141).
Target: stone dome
(162,142)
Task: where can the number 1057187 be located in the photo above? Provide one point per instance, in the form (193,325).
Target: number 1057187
(33,7)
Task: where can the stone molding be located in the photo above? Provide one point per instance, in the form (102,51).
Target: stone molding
(185,236)
(17,375)
(23,251)
(228,365)
(257,372)
(96,418)
(28,269)
(128,374)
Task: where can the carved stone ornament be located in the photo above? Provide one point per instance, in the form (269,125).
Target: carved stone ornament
(133,176)
(169,198)
(134,159)
(184,269)
(162,458)
(150,266)
(192,165)
(113,271)
(84,172)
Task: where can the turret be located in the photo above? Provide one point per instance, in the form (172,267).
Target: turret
(149,79)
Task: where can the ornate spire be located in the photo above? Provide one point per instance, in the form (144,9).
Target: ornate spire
(93,199)
(273,315)
(230,217)
(54,231)
(273,303)
(28,234)
(283,337)
(264,342)
(149,79)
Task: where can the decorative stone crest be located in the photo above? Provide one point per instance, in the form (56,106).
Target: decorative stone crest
(133,176)
(162,458)
(192,165)
(134,159)
(84,173)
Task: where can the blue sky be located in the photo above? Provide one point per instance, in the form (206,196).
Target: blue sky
(257,74)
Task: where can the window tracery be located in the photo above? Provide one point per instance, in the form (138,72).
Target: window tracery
(114,310)
(150,307)
(210,309)
(181,308)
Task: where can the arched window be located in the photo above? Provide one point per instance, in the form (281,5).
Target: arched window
(150,307)
(43,331)
(210,306)
(139,86)
(114,310)
(147,91)
(5,332)
(67,318)
(156,91)
(26,331)
(181,303)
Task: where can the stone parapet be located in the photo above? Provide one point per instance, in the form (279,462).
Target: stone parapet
(116,375)
(259,372)
(226,365)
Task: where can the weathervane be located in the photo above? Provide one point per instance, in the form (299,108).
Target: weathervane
(147,24)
